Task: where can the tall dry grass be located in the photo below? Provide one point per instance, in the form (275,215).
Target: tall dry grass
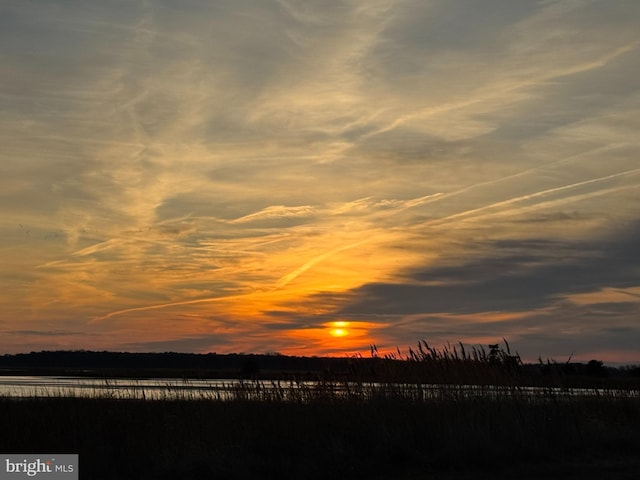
(455,412)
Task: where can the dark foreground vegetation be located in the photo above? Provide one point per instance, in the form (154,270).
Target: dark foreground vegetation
(352,429)
(510,437)
(423,364)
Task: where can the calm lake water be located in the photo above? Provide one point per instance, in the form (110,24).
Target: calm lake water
(173,388)
(44,386)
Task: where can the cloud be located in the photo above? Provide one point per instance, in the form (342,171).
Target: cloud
(318,158)
(509,275)
(277,213)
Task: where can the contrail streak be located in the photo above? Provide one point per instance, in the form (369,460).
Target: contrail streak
(283,282)
(499,91)
(300,270)
(442,196)
(529,196)
(163,305)
(550,203)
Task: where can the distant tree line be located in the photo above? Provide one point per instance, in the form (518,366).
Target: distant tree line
(424,365)
(191,364)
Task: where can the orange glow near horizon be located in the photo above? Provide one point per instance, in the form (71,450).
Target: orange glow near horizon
(335,338)
(314,289)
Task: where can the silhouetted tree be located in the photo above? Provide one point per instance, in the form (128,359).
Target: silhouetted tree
(595,368)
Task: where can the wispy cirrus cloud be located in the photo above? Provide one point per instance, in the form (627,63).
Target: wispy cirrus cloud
(199,173)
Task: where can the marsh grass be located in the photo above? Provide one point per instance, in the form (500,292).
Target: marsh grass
(320,433)
(455,414)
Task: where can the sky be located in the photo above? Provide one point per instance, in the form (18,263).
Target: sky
(314,177)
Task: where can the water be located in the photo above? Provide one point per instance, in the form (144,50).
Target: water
(164,388)
(154,389)
(217,389)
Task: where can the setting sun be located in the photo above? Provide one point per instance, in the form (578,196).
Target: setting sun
(339,329)
(339,332)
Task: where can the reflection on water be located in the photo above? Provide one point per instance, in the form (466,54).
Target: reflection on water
(194,389)
(165,388)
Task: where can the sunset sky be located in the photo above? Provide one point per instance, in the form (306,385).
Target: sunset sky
(315,176)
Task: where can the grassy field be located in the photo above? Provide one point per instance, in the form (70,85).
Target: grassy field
(352,429)
(364,435)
